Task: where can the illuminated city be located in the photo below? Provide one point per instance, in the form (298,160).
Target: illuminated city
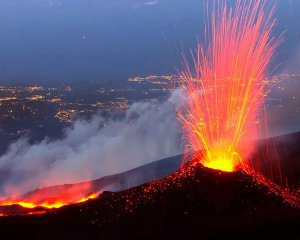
(27,109)
(42,111)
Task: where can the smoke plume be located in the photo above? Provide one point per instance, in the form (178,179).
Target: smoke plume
(148,132)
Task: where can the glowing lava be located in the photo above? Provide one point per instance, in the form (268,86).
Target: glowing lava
(220,163)
(47,204)
(225,88)
(54,197)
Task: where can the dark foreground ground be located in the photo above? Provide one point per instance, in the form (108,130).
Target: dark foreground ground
(193,203)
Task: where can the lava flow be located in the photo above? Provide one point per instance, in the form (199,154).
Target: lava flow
(225,87)
(51,203)
(53,197)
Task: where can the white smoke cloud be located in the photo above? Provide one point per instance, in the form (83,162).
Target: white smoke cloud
(151,3)
(149,132)
(145,4)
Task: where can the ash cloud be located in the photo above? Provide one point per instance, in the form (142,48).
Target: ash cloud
(148,132)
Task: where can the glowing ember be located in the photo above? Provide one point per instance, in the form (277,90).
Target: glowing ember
(224,88)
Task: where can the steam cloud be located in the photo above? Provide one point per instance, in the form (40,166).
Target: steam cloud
(148,132)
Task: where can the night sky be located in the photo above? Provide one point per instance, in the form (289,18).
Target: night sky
(77,40)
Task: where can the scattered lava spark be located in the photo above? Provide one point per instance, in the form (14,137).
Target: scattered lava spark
(225,87)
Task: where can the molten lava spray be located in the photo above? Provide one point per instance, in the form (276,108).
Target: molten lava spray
(225,87)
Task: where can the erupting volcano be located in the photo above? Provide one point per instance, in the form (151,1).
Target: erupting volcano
(225,87)
(223,118)
(231,177)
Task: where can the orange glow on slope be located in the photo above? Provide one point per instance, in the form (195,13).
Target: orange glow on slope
(224,88)
(48,204)
(54,197)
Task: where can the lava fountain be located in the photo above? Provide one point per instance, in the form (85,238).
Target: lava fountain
(224,85)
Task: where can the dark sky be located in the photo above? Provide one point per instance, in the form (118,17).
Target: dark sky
(70,40)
